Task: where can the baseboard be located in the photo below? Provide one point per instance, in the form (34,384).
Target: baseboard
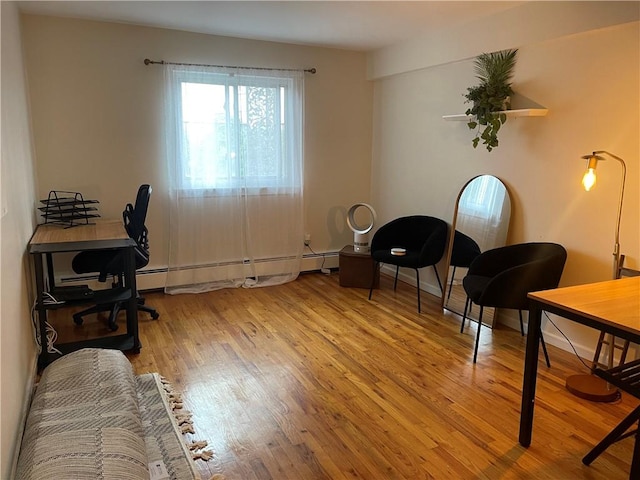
(156,278)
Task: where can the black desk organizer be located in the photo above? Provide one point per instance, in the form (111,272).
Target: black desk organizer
(69,209)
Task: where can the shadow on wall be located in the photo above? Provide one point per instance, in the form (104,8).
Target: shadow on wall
(339,233)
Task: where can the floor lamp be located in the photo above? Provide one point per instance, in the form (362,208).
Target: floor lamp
(589,386)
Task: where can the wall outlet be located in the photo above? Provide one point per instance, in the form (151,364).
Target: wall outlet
(307,239)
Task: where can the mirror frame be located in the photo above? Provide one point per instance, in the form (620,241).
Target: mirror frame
(449,252)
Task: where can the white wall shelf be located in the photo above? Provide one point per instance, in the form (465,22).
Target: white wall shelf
(522,112)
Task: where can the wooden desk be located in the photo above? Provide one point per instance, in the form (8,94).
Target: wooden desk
(612,306)
(104,234)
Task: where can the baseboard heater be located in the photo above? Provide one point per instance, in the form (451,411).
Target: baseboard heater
(155,278)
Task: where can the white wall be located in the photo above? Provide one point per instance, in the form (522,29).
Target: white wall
(589,81)
(97,113)
(17,348)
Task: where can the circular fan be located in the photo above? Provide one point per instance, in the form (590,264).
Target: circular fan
(360,233)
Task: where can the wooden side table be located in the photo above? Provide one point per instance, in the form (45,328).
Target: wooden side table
(356,269)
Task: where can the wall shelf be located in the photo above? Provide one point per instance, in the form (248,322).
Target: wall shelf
(522,112)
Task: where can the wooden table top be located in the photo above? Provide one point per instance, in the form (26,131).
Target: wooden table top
(50,238)
(614,302)
(101,230)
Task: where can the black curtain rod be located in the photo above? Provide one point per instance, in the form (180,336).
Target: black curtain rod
(162,62)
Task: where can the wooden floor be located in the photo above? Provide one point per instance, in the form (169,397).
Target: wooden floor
(312,381)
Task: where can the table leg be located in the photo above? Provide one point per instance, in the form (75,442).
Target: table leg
(132,304)
(530,374)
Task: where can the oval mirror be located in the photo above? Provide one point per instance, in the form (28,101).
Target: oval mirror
(480,222)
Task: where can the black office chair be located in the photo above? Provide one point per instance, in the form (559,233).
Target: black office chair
(502,278)
(111,263)
(465,250)
(421,236)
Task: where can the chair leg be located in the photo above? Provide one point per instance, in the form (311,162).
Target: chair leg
(544,350)
(618,433)
(418,287)
(113,316)
(151,311)
(544,345)
(521,323)
(438,278)
(101,307)
(451,283)
(464,315)
(373,278)
(395,282)
(475,350)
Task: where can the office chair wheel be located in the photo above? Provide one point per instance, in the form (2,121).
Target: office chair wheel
(77,319)
(113,326)
(155,315)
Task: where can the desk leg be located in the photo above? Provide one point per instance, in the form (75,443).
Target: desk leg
(132,304)
(530,374)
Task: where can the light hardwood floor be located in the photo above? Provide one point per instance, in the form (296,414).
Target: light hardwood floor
(312,381)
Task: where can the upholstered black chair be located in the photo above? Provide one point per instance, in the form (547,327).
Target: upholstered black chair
(502,278)
(423,239)
(464,251)
(111,263)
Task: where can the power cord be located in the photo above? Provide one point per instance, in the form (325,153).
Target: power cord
(568,341)
(326,271)
(618,395)
(51,334)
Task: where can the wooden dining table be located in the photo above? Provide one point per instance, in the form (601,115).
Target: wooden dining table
(611,306)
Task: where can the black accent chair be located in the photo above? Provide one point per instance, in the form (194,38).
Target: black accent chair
(111,263)
(502,278)
(422,237)
(464,251)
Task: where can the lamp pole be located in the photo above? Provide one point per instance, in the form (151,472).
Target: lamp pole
(593,159)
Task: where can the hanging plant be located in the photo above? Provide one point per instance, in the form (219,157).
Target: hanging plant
(495,71)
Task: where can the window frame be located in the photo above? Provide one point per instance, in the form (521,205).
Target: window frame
(280,182)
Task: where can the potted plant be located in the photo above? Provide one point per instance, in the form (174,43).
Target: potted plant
(495,71)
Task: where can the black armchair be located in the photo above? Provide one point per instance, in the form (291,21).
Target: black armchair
(422,237)
(502,278)
(111,263)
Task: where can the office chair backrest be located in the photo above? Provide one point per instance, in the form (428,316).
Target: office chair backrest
(134,217)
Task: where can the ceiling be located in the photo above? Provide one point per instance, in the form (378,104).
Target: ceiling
(359,25)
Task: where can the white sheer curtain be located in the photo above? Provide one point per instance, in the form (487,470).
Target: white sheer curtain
(234,152)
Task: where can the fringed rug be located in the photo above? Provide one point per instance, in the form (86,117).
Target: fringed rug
(168,456)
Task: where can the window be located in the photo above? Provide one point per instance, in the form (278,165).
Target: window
(238,130)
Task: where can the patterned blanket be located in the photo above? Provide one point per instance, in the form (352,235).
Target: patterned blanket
(92,418)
